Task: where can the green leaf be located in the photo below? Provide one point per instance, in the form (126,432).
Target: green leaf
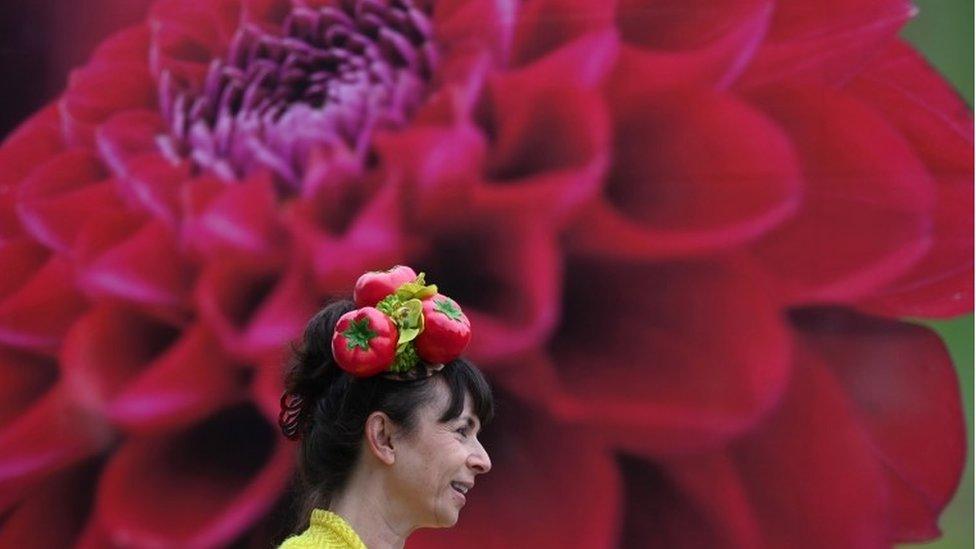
(447,308)
(388,305)
(406,358)
(358,334)
(418,289)
(410,320)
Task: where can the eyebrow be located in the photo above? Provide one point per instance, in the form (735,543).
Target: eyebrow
(471,422)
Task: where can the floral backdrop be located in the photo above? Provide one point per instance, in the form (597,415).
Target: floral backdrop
(689,236)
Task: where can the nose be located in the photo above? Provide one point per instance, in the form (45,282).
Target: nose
(479,461)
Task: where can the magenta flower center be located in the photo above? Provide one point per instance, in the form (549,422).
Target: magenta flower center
(325,83)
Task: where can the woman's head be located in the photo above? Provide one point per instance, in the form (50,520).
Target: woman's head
(428,469)
(429,425)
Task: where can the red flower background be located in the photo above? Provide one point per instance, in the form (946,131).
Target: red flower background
(685,234)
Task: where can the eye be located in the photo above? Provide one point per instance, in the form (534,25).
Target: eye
(463,431)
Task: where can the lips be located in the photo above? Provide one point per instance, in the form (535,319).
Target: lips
(461,488)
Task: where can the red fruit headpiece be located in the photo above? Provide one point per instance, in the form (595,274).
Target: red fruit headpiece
(403,329)
(402,323)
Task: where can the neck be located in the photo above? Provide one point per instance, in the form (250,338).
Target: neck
(366,506)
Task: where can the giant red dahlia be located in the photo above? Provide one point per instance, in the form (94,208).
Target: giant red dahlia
(684,235)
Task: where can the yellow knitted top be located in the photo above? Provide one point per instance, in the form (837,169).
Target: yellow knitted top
(326,530)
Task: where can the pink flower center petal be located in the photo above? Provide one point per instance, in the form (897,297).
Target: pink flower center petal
(330,78)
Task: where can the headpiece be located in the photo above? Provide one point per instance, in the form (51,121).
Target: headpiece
(403,329)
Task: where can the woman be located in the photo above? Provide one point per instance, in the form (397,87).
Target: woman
(388,415)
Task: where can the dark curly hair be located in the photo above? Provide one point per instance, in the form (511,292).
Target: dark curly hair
(327,408)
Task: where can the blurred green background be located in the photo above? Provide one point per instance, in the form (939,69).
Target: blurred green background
(943,31)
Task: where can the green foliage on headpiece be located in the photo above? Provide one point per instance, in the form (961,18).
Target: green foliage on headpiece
(406,358)
(410,318)
(404,306)
(417,289)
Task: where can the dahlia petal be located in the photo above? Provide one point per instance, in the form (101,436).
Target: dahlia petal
(106,350)
(535,130)
(866,212)
(685,179)
(691,501)
(32,524)
(254,309)
(513,301)
(268,385)
(154,184)
(167,68)
(32,144)
(125,136)
(920,103)
(550,147)
(54,221)
(273,527)
(583,62)
(672,45)
(914,517)
(60,195)
(10,228)
(21,258)
(232,219)
(188,32)
(903,387)
(104,233)
(810,472)
(75,32)
(94,536)
(478,24)
(825,43)
(336,175)
(98,91)
(174,55)
(940,285)
(939,126)
(436,168)
(272,12)
(37,314)
(199,487)
(190,381)
(371,238)
(456,100)
(711,375)
(560,508)
(127,46)
(135,263)
(52,434)
(24,378)
(545,26)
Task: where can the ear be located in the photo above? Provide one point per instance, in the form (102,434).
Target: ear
(379,431)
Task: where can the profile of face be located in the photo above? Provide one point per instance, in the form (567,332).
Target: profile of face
(438,462)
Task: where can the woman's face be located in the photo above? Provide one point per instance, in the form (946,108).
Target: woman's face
(438,462)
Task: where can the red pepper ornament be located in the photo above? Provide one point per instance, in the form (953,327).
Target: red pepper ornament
(364,342)
(446,332)
(375,285)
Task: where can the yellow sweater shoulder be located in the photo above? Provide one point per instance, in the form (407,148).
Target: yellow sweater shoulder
(326,530)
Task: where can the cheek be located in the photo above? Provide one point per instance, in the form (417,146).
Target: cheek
(433,465)
(424,471)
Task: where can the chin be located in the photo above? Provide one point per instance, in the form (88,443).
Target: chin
(447,519)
